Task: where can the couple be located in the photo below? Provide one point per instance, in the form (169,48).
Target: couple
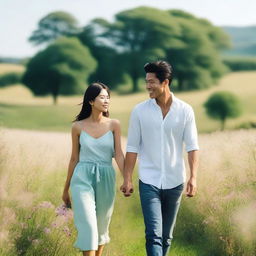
(157,129)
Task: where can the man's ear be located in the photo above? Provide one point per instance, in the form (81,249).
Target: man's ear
(166,82)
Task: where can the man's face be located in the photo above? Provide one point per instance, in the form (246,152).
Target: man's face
(154,87)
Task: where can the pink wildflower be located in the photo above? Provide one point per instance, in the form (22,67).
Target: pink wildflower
(47,230)
(61,210)
(46,204)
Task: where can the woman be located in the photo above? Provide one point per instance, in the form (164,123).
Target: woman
(91,177)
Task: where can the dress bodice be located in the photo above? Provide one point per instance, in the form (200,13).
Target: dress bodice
(96,149)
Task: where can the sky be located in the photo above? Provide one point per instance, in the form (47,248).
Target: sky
(19,18)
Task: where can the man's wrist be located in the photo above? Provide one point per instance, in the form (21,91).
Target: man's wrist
(128,179)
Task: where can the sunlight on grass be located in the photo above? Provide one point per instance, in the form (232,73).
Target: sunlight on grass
(6,68)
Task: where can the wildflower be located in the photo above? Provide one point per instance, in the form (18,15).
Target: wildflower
(54,225)
(46,204)
(61,210)
(67,231)
(47,230)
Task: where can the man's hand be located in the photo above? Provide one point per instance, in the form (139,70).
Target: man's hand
(127,188)
(191,187)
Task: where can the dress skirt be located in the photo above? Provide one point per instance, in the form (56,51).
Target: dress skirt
(93,193)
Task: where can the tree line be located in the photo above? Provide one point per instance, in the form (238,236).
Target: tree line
(115,52)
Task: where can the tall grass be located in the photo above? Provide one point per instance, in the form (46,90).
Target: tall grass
(220,220)
(222,216)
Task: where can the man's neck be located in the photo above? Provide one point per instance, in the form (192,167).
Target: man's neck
(165,100)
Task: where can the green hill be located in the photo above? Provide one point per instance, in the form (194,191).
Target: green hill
(243,40)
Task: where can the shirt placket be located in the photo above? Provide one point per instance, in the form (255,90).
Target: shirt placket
(162,155)
(162,175)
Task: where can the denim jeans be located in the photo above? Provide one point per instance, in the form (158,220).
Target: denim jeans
(160,208)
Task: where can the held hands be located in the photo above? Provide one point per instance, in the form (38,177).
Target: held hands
(191,187)
(127,188)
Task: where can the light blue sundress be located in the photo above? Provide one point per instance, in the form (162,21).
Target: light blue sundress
(93,190)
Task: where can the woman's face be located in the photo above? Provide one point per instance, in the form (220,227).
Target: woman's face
(101,102)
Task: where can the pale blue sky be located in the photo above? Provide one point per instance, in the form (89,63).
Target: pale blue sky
(18,18)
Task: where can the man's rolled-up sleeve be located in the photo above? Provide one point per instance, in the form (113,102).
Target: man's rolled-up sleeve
(134,133)
(190,132)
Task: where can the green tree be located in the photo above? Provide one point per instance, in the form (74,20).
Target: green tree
(110,66)
(197,62)
(146,34)
(60,69)
(53,26)
(223,105)
(138,35)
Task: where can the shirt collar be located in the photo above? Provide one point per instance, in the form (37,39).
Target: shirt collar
(174,99)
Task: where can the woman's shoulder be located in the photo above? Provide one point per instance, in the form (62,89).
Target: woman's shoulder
(115,121)
(77,126)
(114,124)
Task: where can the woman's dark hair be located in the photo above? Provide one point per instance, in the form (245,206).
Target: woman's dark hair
(162,69)
(90,94)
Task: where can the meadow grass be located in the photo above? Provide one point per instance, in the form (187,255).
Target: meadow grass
(6,68)
(220,220)
(20,109)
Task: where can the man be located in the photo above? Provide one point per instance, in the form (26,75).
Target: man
(158,127)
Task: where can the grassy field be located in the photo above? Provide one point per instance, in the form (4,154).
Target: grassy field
(20,109)
(218,221)
(5,68)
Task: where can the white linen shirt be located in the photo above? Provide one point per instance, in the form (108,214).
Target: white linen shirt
(159,142)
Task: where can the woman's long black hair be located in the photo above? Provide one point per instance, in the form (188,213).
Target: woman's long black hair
(90,94)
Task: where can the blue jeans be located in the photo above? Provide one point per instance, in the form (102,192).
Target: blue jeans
(160,208)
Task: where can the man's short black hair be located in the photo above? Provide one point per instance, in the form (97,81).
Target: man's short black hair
(162,69)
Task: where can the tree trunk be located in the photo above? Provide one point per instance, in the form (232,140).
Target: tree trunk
(222,124)
(180,84)
(135,85)
(55,92)
(55,99)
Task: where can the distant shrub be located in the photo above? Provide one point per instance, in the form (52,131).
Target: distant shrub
(241,64)
(247,125)
(10,78)
(223,105)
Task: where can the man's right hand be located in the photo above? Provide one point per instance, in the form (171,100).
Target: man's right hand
(127,188)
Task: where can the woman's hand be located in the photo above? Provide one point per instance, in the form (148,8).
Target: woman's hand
(66,198)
